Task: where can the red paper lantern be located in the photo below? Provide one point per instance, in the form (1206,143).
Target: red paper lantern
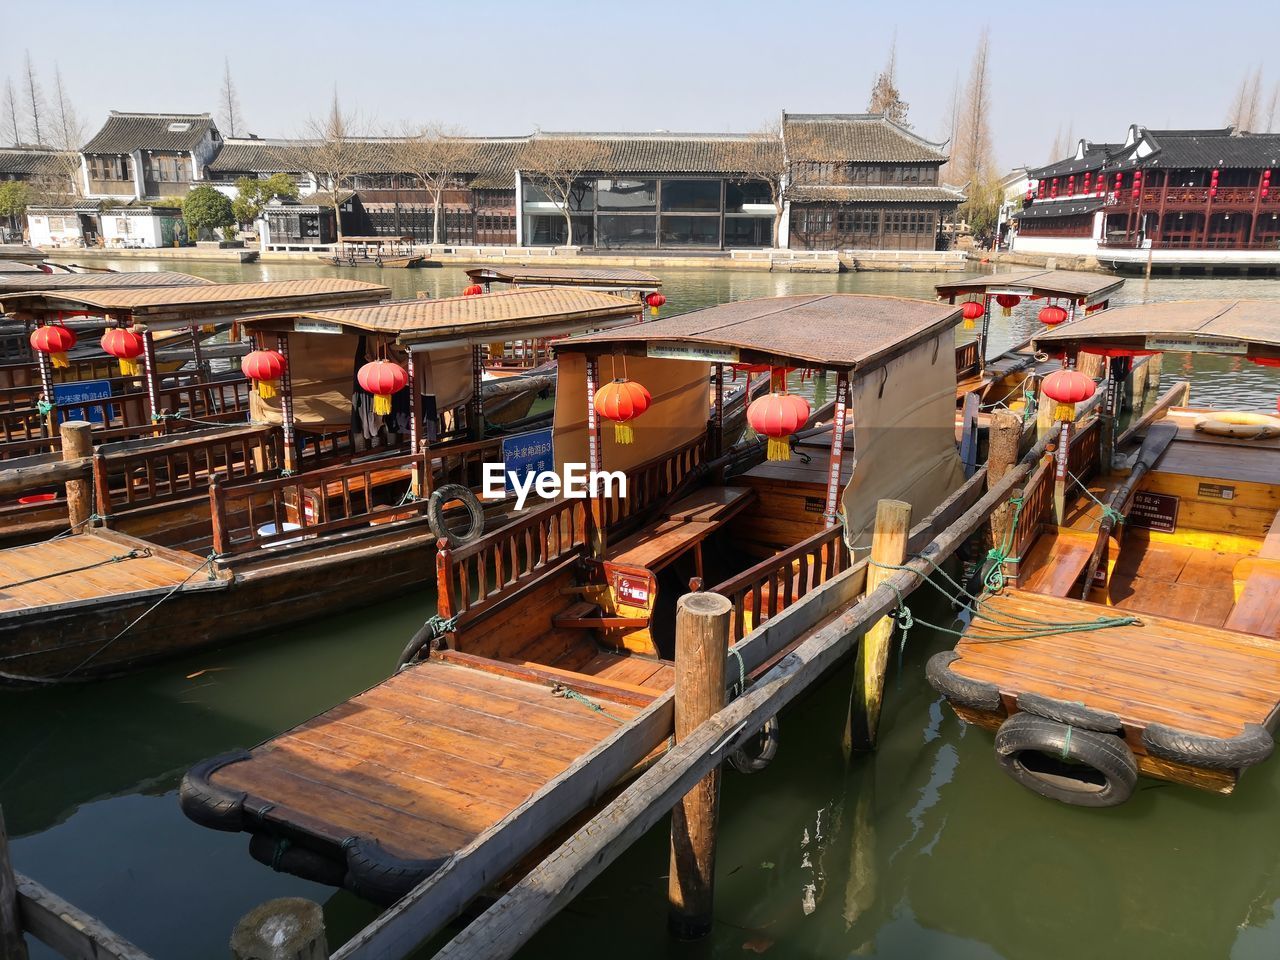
(1067,388)
(1071,185)
(622,401)
(777,416)
(971,311)
(55,340)
(265,368)
(1052,315)
(1053,188)
(473,291)
(1040,189)
(382,378)
(1007,302)
(1095,307)
(126,346)
(655,300)
(1266,361)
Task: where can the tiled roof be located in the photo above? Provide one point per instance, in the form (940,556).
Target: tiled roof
(26,161)
(126,132)
(861,194)
(1060,208)
(860,137)
(1216,148)
(256,156)
(674,152)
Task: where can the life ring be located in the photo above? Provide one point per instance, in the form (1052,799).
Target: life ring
(450,493)
(1074,766)
(758,750)
(1240,425)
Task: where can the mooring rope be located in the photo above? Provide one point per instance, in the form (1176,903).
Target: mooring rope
(560,690)
(1115,515)
(134,554)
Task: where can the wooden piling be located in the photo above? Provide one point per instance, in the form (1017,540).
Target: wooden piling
(888,549)
(289,928)
(702,639)
(77,443)
(13,945)
(1004,436)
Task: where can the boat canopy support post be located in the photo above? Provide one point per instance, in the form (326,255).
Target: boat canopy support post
(289,928)
(717,414)
(888,551)
(415,424)
(830,512)
(77,445)
(477,397)
(149,376)
(203,373)
(702,639)
(45,366)
(594,456)
(983,332)
(286,406)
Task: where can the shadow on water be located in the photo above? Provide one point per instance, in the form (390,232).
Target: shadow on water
(923,850)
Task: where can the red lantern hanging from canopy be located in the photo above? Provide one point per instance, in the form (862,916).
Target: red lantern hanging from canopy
(1052,315)
(622,401)
(126,346)
(971,311)
(55,340)
(777,416)
(1067,388)
(1007,302)
(382,378)
(655,300)
(473,291)
(1095,307)
(265,368)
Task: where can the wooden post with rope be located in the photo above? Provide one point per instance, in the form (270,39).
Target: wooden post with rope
(1005,434)
(288,928)
(77,444)
(702,639)
(888,550)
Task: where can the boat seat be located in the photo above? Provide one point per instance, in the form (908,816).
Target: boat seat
(1056,561)
(711,503)
(660,545)
(1257,608)
(587,616)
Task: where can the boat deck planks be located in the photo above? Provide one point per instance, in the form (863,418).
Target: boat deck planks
(424,761)
(1174,580)
(1193,677)
(59,566)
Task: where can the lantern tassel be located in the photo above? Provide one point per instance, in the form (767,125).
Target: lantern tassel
(382,404)
(497,350)
(130,367)
(59,360)
(970,324)
(653,311)
(266,389)
(1006,311)
(623,434)
(820,388)
(779,448)
(1064,412)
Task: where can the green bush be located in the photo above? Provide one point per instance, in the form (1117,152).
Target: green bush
(205,210)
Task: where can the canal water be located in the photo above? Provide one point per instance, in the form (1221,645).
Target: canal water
(923,850)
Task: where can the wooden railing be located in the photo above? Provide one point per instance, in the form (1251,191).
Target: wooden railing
(775,583)
(461,462)
(126,479)
(652,480)
(967,357)
(1083,458)
(315,503)
(476,576)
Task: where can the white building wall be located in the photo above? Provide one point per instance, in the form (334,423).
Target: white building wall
(1074,246)
(55,230)
(130,230)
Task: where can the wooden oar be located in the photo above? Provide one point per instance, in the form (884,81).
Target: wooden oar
(1157,440)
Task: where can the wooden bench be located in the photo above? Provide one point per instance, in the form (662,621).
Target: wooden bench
(1257,608)
(1056,561)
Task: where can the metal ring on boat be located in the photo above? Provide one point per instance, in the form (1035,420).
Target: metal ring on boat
(1250,747)
(1240,425)
(450,493)
(1083,768)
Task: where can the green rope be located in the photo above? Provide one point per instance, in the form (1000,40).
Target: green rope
(1066,744)
(563,691)
(44,407)
(1114,515)
(282,845)
(999,555)
(740,687)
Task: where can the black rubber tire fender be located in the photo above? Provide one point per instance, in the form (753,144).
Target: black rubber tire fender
(286,857)
(212,806)
(758,750)
(1073,714)
(1250,747)
(974,694)
(1104,752)
(435,514)
(377,875)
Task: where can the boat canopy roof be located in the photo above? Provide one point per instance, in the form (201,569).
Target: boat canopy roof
(31,282)
(18,266)
(1086,288)
(1244,327)
(424,324)
(566,276)
(842,331)
(18,251)
(208,303)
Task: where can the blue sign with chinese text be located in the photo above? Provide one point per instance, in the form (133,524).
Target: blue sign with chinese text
(527,453)
(67,394)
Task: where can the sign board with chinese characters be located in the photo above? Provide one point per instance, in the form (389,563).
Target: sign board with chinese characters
(1154,511)
(527,453)
(316,326)
(66,395)
(693,351)
(1196,345)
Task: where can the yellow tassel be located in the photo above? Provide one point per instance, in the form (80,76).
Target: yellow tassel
(1064,412)
(970,324)
(653,311)
(497,350)
(266,389)
(382,404)
(622,433)
(59,360)
(1006,311)
(130,368)
(779,448)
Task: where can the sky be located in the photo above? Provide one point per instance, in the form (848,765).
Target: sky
(503,67)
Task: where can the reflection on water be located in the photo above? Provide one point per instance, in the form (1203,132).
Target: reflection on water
(923,850)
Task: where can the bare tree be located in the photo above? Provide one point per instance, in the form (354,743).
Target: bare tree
(10,106)
(1272,106)
(971,157)
(436,155)
(34,100)
(70,132)
(228,103)
(557,164)
(1056,151)
(1245,107)
(759,157)
(57,180)
(331,149)
(886,98)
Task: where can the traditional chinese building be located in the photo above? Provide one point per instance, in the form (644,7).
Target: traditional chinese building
(149,155)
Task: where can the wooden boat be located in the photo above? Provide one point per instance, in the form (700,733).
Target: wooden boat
(554,632)
(1148,645)
(393,252)
(281,520)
